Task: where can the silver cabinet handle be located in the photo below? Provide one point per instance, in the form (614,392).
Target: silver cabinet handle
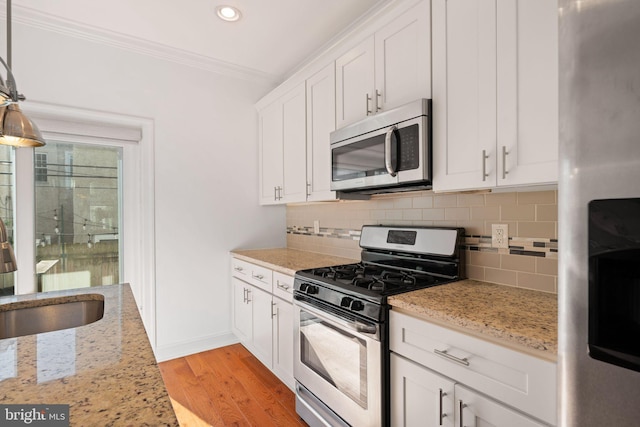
(369,112)
(274,313)
(446,355)
(275,193)
(378,98)
(504,162)
(238,268)
(248,292)
(462,406)
(442,415)
(391,168)
(258,276)
(485,175)
(308,189)
(244,298)
(283,287)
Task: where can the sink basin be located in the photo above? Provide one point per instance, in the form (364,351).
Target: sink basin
(52,314)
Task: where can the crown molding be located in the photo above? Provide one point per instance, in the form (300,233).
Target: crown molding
(37,19)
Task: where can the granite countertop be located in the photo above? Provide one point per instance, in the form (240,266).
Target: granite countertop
(106,371)
(288,261)
(522,319)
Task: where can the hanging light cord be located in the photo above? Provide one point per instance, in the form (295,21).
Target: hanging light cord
(9,33)
(11,81)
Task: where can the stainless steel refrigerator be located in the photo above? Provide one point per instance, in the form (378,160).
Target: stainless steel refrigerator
(599,213)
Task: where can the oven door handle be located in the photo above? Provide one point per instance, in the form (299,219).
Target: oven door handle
(391,168)
(371,330)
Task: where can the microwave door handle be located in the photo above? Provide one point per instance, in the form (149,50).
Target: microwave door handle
(391,168)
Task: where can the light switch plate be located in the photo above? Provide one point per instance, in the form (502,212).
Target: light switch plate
(499,235)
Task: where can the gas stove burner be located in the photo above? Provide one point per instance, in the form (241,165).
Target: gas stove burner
(372,283)
(399,277)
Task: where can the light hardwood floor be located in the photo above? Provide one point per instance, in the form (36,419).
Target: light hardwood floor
(227,386)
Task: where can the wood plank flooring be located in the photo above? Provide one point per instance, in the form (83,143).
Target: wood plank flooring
(227,386)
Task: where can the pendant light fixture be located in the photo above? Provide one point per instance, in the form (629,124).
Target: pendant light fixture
(16,129)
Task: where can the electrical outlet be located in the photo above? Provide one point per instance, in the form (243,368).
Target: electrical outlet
(316,226)
(499,235)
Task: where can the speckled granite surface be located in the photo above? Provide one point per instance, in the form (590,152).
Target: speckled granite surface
(519,318)
(105,371)
(288,261)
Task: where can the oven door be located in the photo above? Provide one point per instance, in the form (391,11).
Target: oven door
(382,158)
(339,360)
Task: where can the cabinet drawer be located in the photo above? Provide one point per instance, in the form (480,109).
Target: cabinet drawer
(283,286)
(259,276)
(517,379)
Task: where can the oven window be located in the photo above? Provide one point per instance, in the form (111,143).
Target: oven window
(337,356)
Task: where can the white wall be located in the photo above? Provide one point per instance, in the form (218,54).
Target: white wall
(206,186)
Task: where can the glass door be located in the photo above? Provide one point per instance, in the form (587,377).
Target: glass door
(7,187)
(78,215)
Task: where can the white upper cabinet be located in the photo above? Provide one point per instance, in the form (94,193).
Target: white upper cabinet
(403,58)
(495,93)
(354,84)
(321,121)
(294,133)
(527,100)
(270,152)
(282,145)
(386,70)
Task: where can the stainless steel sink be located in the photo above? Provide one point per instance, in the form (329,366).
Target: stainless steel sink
(56,314)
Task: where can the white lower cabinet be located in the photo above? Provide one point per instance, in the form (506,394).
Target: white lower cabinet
(419,396)
(443,377)
(283,341)
(251,306)
(476,410)
(263,316)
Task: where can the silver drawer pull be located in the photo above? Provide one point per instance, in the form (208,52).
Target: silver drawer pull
(446,355)
(238,269)
(442,414)
(283,287)
(258,276)
(462,406)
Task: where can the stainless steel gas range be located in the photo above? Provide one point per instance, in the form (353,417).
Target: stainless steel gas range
(341,345)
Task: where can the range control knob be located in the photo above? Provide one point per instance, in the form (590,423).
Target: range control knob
(356,305)
(346,302)
(308,288)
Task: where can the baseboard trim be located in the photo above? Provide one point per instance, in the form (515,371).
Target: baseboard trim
(185,348)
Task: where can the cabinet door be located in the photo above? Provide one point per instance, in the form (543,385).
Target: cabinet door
(294,188)
(464,94)
(270,152)
(283,341)
(476,410)
(403,59)
(527,98)
(242,314)
(321,121)
(419,397)
(354,84)
(260,302)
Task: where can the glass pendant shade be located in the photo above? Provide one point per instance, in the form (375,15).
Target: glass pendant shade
(18,130)
(7,257)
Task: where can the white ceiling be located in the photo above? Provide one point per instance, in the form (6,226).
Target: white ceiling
(272,38)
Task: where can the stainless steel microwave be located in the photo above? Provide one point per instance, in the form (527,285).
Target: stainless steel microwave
(388,152)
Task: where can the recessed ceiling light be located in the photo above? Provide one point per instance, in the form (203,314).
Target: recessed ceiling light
(228,13)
